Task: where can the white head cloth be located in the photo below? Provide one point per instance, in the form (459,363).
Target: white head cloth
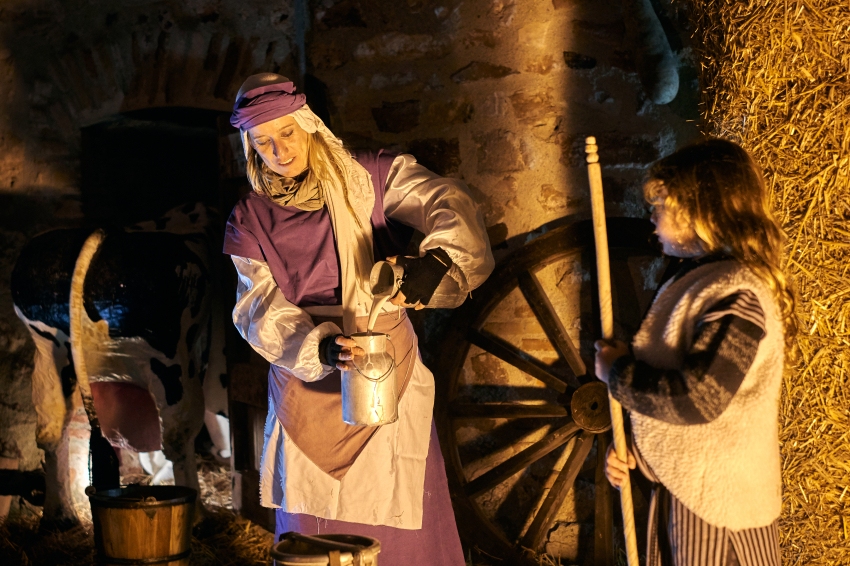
(353,236)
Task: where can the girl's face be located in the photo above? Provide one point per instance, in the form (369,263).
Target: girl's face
(282,145)
(677,236)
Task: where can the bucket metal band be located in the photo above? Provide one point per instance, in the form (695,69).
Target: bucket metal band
(157,560)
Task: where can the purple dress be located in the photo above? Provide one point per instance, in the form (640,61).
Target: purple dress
(436,543)
(299,248)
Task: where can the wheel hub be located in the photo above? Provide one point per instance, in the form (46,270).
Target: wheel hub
(589,407)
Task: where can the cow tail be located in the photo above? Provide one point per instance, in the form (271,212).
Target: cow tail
(77,309)
(104,462)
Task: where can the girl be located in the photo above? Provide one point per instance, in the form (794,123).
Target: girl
(304,243)
(702,379)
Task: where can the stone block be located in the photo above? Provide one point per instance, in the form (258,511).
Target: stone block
(536,345)
(503,11)
(384,82)
(401,46)
(476,37)
(533,107)
(452,111)
(535,35)
(611,33)
(541,66)
(442,156)
(499,152)
(345,14)
(564,541)
(556,199)
(490,208)
(523,311)
(327,55)
(578,61)
(488,369)
(478,70)
(580,505)
(397,117)
(616,150)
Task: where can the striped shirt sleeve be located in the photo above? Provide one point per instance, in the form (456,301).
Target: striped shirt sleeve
(726,339)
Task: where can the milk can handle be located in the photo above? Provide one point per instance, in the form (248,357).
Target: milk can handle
(389,369)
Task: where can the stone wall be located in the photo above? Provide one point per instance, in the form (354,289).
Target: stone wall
(500,93)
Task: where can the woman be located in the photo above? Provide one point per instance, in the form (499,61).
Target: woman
(702,380)
(304,243)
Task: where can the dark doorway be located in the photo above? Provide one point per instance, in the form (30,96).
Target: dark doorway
(137,165)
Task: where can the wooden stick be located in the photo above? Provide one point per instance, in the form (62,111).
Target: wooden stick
(603,275)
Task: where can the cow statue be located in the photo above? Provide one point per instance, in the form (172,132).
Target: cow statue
(152,342)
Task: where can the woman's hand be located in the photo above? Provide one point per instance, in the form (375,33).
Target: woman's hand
(338,351)
(399,299)
(615,469)
(607,352)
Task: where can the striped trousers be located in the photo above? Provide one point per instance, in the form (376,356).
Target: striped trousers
(677,537)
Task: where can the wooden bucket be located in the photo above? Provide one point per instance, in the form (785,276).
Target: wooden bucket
(295,549)
(143,524)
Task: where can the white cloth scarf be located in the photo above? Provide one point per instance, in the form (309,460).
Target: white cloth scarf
(353,237)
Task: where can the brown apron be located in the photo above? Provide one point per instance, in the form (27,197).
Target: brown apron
(311,413)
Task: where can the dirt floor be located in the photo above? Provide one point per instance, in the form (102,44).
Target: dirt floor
(221,539)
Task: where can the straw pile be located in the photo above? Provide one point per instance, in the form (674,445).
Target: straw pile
(775,78)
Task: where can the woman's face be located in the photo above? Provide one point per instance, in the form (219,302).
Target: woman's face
(282,145)
(677,236)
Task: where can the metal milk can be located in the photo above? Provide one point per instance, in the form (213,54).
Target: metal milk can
(369,391)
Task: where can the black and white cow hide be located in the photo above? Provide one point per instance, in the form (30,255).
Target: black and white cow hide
(151,336)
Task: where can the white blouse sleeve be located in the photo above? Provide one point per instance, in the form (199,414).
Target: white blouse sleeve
(442,209)
(278,330)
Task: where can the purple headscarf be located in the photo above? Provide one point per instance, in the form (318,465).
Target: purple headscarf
(264,97)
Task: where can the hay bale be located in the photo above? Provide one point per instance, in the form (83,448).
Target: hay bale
(775,78)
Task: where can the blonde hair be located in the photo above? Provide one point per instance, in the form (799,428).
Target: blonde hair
(327,163)
(717,188)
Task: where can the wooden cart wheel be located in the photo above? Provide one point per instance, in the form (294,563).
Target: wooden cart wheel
(518,409)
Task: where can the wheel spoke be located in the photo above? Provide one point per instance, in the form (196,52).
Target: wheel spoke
(505,411)
(555,498)
(542,307)
(603,549)
(517,358)
(522,459)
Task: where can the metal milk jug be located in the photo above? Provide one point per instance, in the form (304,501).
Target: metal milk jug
(369,391)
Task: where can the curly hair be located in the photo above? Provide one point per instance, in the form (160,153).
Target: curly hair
(717,187)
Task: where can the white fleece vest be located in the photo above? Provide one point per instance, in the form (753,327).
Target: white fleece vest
(726,471)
